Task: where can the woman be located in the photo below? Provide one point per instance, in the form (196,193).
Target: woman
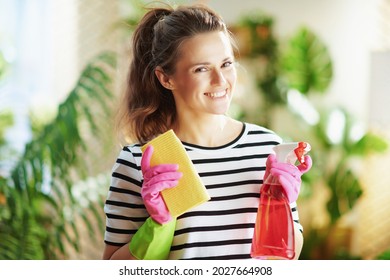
(182,77)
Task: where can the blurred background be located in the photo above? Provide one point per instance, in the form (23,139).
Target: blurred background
(317,71)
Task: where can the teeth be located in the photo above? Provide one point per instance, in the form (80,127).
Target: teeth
(216,94)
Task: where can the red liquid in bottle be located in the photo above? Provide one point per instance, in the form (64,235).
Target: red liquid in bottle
(274,229)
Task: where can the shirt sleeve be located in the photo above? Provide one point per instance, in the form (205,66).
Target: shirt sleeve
(124,207)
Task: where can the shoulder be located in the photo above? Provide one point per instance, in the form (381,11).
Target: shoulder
(130,155)
(133,149)
(257,131)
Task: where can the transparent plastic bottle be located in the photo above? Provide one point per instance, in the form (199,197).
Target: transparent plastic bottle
(274,229)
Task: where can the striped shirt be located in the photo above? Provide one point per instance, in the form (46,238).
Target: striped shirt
(221,228)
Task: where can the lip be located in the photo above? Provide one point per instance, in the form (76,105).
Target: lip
(216,94)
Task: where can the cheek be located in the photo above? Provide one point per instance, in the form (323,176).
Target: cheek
(232,77)
(193,85)
(187,90)
(187,82)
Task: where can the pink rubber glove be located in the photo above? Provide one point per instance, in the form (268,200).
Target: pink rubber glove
(288,175)
(156,179)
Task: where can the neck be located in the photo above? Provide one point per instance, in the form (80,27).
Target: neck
(208,131)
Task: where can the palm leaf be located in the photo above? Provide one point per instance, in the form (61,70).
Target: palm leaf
(34,221)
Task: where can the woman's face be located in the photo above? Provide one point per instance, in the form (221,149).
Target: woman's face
(205,75)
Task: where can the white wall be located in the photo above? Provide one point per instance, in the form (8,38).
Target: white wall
(379,101)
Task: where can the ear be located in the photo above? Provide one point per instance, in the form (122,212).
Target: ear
(164,79)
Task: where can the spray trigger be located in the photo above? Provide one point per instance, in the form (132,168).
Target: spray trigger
(301,150)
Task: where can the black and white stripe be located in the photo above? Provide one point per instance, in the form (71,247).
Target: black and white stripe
(221,228)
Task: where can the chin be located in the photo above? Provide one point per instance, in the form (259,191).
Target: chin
(220,112)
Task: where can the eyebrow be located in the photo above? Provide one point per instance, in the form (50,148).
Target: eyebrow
(208,63)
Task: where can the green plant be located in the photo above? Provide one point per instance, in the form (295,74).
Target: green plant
(261,46)
(384,256)
(6,121)
(307,64)
(38,204)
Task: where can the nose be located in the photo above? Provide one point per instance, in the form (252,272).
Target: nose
(218,77)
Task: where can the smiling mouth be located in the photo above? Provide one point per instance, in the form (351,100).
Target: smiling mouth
(216,94)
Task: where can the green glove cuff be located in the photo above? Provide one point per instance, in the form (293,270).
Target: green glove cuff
(153,241)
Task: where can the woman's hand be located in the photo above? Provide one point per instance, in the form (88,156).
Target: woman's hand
(288,175)
(156,179)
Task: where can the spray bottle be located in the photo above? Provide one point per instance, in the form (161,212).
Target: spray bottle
(274,229)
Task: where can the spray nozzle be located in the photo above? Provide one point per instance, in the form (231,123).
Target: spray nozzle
(291,152)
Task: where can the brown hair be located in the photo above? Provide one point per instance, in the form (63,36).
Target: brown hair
(148,109)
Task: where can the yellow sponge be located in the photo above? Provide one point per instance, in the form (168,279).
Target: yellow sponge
(190,191)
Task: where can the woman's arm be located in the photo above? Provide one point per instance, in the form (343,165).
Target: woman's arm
(124,191)
(117,253)
(298,241)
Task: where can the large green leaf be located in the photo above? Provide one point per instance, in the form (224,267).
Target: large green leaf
(307,63)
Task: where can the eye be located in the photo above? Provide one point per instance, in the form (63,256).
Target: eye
(227,64)
(200,69)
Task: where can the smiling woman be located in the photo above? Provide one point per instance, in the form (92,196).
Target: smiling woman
(182,78)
